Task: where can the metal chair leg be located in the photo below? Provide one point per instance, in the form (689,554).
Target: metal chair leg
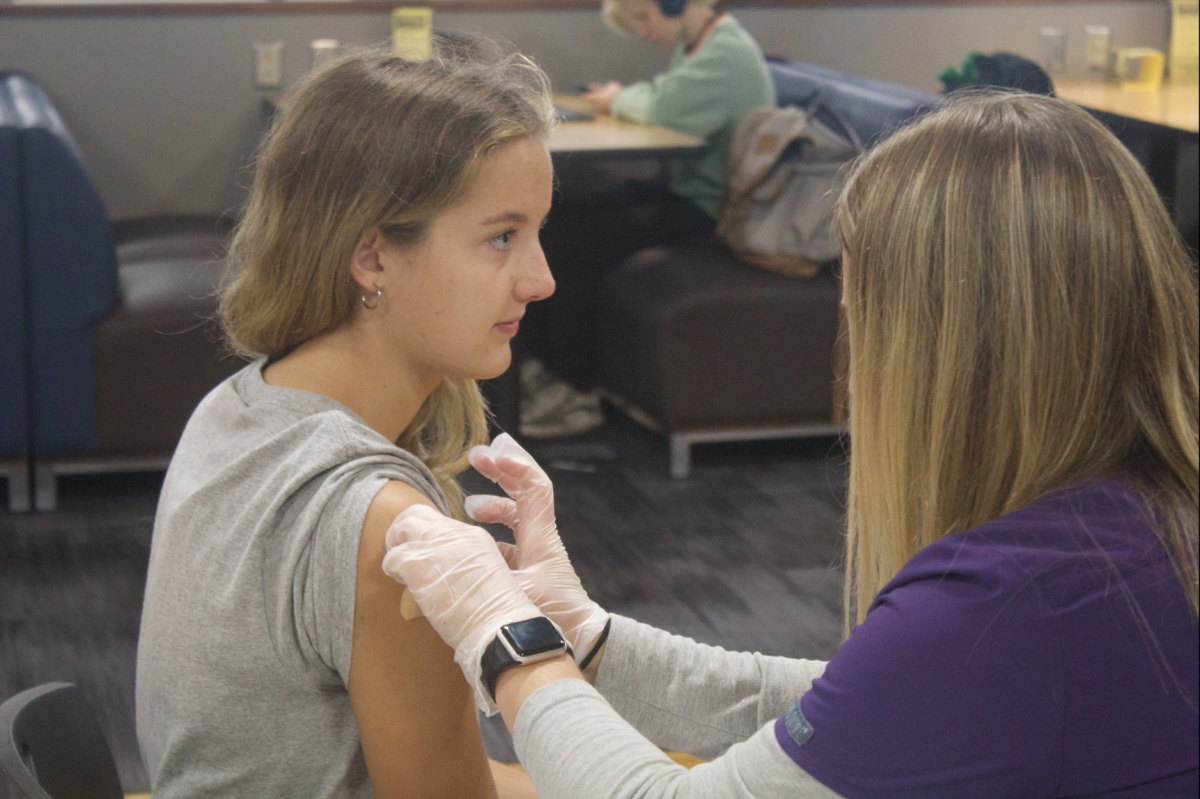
(17,477)
(681,457)
(45,488)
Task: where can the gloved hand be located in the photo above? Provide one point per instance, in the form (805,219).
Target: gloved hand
(462,583)
(539,560)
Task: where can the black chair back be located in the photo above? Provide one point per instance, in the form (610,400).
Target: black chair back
(52,748)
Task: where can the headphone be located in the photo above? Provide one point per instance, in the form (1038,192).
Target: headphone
(672,8)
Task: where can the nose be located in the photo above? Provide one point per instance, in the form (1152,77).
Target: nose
(536,283)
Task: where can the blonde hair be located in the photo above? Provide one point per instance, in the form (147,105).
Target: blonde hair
(1022,316)
(613,12)
(373,141)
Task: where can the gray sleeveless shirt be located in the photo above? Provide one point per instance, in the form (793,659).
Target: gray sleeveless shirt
(248,619)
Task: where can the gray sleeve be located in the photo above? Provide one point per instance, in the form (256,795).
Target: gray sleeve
(695,698)
(573,745)
(326,572)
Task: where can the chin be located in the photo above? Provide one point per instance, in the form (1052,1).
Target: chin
(495,368)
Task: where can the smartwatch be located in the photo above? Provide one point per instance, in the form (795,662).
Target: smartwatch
(520,642)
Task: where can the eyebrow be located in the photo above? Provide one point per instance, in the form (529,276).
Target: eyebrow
(515,217)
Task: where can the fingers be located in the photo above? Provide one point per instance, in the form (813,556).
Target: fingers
(490,509)
(412,523)
(424,546)
(516,476)
(509,551)
(505,461)
(413,563)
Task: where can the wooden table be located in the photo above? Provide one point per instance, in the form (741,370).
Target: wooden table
(1176,107)
(607,138)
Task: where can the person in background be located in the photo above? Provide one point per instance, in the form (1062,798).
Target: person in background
(717,73)
(388,252)
(1022,515)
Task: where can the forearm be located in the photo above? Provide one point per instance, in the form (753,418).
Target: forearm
(574,745)
(691,697)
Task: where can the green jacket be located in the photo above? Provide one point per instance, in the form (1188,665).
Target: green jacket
(704,94)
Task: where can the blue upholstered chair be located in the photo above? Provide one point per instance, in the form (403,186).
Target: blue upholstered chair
(14,385)
(873,108)
(118,340)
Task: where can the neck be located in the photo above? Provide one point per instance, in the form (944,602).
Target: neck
(350,367)
(695,20)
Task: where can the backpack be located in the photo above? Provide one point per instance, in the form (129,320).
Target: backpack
(998,69)
(786,167)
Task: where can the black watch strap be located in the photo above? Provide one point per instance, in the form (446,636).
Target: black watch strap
(496,658)
(520,642)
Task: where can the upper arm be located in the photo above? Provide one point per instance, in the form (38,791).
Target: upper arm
(415,713)
(696,96)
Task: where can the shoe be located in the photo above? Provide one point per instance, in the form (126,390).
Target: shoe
(551,408)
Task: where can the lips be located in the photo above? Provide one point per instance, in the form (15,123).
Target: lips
(509,328)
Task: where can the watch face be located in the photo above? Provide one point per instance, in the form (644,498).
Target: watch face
(532,637)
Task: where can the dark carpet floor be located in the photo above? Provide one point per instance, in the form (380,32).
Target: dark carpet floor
(745,554)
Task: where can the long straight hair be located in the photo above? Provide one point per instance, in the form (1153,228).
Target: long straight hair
(1022,316)
(373,141)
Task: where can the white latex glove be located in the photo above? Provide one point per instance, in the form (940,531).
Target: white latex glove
(539,561)
(462,583)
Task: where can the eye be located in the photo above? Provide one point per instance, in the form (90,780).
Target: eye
(502,241)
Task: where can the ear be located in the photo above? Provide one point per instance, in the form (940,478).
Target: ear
(365,265)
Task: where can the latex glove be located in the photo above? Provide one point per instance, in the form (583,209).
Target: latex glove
(462,583)
(539,561)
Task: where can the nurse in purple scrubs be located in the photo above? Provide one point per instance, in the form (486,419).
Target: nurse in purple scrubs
(1022,515)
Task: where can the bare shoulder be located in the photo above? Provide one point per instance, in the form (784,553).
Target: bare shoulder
(390,502)
(412,706)
(378,596)
(374,587)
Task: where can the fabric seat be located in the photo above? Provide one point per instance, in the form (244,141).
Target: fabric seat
(711,349)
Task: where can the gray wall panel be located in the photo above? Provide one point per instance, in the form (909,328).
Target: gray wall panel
(165,111)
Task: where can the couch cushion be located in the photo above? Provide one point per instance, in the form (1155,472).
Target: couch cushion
(697,339)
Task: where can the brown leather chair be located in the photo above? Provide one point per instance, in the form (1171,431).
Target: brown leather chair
(705,348)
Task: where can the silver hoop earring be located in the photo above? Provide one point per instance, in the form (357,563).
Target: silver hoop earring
(378,299)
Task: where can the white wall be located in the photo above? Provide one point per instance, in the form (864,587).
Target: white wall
(164,108)
(912,45)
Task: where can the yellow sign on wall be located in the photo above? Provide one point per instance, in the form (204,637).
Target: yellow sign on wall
(412,33)
(1185,41)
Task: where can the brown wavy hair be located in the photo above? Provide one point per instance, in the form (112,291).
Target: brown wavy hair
(373,141)
(1022,316)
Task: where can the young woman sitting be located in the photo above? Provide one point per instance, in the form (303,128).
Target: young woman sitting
(388,253)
